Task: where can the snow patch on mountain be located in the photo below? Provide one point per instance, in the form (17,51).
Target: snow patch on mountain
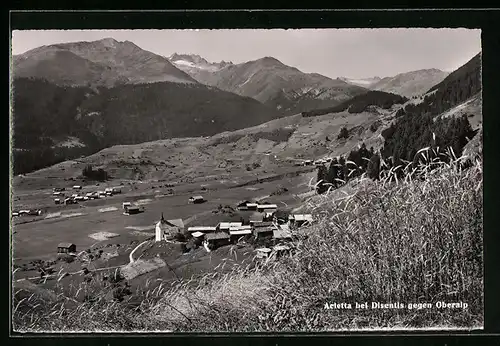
(193,61)
(364,82)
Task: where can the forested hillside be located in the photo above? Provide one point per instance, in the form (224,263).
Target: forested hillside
(417,129)
(360,103)
(459,86)
(45,114)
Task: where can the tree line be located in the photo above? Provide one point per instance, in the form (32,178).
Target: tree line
(459,86)
(417,127)
(403,143)
(360,103)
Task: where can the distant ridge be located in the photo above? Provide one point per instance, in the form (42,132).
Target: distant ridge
(105,62)
(269,81)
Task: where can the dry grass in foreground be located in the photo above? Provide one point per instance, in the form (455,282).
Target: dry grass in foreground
(408,241)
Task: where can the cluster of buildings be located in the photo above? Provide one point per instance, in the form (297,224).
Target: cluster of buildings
(319,162)
(266,223)
(22,212)
(61,198)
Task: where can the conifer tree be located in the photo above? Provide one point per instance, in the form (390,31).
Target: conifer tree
(333,173)
(373,170)
(321,187)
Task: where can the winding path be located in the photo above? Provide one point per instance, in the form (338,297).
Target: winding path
(131,256)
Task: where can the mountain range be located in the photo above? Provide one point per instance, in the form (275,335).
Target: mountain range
(408,84)
(269,81)
(77,98)
(106,62)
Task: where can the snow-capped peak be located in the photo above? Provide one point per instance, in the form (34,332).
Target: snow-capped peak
(197,62)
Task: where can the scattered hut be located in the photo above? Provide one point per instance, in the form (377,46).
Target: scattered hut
(63,248)
(243,206)
(132,209)
(267,207)
(247,205)
(299,220)
(197,199)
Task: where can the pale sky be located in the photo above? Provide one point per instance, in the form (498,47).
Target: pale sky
(354,53)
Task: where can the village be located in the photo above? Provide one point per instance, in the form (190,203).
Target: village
(257,226)
(264,224)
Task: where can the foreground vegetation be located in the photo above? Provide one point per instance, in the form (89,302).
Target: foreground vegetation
(388,240)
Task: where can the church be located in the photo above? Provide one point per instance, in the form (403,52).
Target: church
(167,229)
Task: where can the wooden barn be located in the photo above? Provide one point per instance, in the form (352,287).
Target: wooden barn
(242,231)
(267,207)
(131,210)
(228,226)
(263,232)
(66,248)
(197,199)
(217,239)
(247,205)
(202,229)
(299,220)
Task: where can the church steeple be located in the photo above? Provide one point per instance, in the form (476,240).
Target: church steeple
(162,219)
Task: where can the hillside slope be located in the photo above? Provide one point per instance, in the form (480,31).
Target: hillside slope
(46,116)
(410,84)
(362,103)
(270,147)
(106,62)
(456,88)
(271,82)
